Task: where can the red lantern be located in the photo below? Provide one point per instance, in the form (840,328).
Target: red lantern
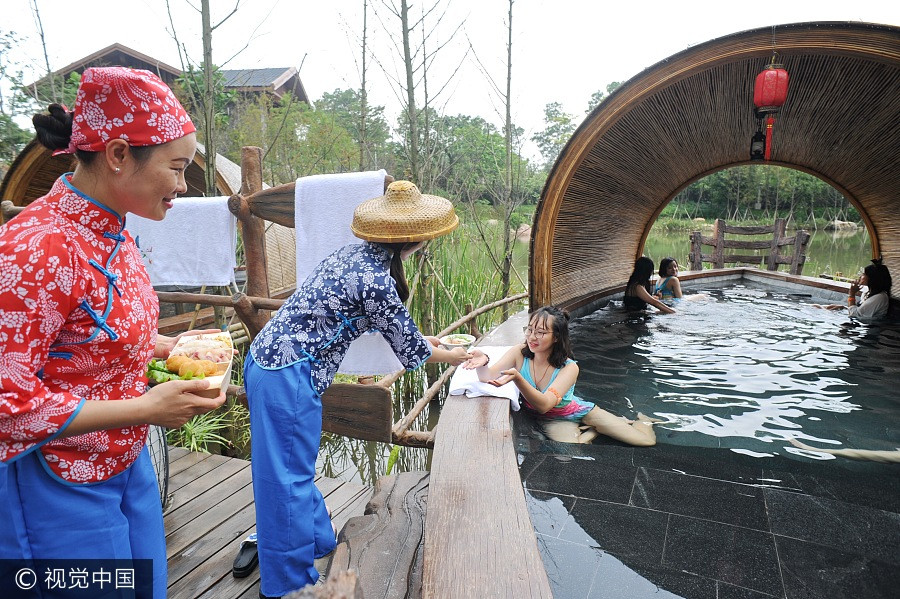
(770,90)
(769,94)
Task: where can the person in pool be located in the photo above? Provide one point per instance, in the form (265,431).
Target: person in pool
(668,287)
(544,371)
(637,290)
(876,301)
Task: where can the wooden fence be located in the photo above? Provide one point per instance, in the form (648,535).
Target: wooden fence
(775,257)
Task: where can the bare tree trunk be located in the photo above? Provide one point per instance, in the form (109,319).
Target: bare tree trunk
(55,96)
(209,104)
(411,113)
(363,98)
(509,237)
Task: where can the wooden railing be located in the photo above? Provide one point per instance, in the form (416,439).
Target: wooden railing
(795,258)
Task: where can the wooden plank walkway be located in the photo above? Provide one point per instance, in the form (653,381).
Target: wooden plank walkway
(211,510)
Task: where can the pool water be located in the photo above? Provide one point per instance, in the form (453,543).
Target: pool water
(724,507)
(748,369)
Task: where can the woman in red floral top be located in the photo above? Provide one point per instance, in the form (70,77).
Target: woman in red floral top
(78,322)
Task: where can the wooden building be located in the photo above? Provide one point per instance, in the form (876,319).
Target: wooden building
(274,80)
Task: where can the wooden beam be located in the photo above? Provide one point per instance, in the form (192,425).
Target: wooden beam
(479,539)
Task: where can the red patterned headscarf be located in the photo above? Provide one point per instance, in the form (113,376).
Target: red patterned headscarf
(121,103)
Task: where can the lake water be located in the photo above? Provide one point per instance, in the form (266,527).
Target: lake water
(827,251)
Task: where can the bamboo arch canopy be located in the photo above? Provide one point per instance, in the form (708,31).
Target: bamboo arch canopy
(691,115)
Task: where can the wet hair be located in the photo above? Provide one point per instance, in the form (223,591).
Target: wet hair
(664,266)
(54,132)
(879,277)
(397,272)
(559,326)
(643,270)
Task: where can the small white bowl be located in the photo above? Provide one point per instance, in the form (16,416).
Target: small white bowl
(457,340)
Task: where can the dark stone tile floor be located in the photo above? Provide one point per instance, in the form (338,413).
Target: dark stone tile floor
(616,522)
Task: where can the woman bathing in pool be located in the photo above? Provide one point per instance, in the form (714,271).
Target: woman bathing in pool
(545,373)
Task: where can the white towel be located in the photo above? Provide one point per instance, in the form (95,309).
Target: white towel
(193,246)
(466,381)
(323,211)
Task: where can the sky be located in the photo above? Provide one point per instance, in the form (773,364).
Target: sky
(563,50)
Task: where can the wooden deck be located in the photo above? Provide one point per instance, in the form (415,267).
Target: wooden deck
(211,510)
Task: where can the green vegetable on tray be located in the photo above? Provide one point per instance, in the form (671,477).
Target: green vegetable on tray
(157,373)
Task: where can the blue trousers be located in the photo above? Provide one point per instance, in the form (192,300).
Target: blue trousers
(292,523)
(45,518)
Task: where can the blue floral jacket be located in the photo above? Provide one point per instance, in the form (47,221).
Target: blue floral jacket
(350,292)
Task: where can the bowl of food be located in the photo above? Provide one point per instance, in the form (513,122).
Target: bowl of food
(457,340)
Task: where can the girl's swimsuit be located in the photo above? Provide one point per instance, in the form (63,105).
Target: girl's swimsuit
(663,289)
(568,408)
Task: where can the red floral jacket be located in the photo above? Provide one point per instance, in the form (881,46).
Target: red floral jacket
(78,322)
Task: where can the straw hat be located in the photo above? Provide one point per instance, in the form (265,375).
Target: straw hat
(403,214)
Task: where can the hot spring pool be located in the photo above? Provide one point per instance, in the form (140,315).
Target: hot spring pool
(747,368)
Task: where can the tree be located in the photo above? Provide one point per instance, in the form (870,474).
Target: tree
(206,101)
(12,137)
(365,124)
(558,129)
(412,84)
(598,96)
(297,140)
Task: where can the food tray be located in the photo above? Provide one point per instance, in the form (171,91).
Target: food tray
(190,345)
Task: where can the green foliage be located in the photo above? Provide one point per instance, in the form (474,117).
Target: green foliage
(392,459)
(201,433)
(372,133)
(558,129)
(760,192)
(599,95)
(191,91)
(12,139)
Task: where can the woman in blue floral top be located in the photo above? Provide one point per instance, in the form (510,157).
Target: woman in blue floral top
(359,288)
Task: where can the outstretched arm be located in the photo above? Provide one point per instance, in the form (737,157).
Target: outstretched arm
(645,295)
(486,371)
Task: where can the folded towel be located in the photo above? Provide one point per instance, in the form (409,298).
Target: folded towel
(323,211)
(466,381)
(193,246)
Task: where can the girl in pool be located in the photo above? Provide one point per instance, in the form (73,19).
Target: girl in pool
(668,287)
(637,291)
(543,370)
(876,301)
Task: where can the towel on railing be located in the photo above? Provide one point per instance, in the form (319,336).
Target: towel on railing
(466,381)
(193,246)
(323,211)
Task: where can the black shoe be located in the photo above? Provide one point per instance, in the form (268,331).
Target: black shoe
(261,596)
(247,558)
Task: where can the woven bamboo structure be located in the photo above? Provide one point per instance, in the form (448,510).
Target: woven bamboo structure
(691,115)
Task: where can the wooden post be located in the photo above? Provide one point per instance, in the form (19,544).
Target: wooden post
(253,318)
(696,255)
(799,258)
(253,234)
(774,248)
(719,251)
(253,228)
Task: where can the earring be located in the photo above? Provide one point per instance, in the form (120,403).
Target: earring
(117,170)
